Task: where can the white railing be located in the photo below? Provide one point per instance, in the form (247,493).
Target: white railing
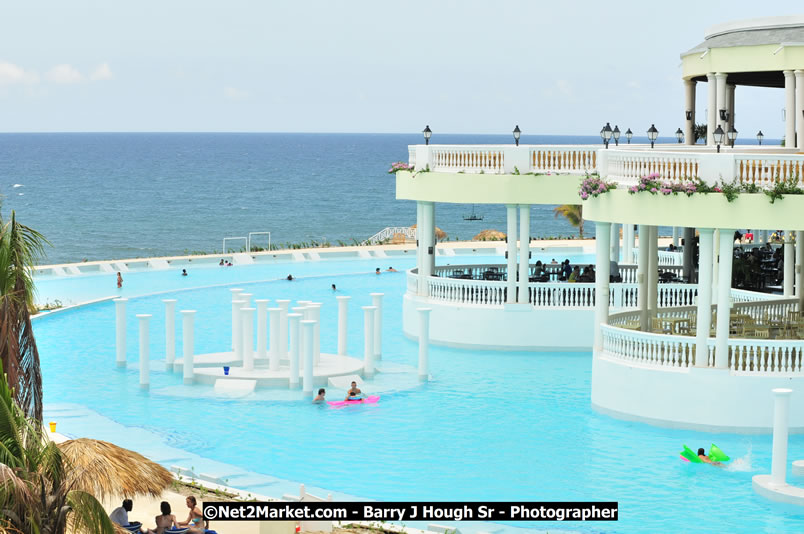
(644,348)
(766,170)
(627,167)
(743,295)
(628,272)
(467,158)
(487,293)
(665,257)
(561,295)
(562,158)
(413,281)
(765,357)
(504,159)
(389,232)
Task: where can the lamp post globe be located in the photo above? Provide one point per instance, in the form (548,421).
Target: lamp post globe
(732,135)
(517,134)
(427,133)
(615,133)
(680,136)
(605,134)
(718,136)
(653,133)
(628,135)
(760,136)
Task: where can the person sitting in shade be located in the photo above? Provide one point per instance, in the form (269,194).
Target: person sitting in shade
(119,515)
(575,274)
(320,397)
(538,269)
(195,520)
(164,521)
(354,393)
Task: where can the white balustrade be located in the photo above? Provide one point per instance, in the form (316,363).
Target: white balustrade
(566,158)
(765,356)
(644,348)
(666,259)
(765,171)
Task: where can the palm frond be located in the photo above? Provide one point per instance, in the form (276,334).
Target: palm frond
(87,515)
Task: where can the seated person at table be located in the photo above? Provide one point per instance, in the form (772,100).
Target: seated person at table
(614,272)
(575,274)
(566,270)
(538,269)
(588,274)
(354,393)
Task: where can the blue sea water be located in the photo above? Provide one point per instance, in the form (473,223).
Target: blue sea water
(123,195)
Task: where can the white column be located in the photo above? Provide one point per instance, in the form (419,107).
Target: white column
(653,271)
(643,264)
(304,311)
(675,236)
(283,327)
(308,328)
(510,239)
(235,316)
(262,328)
(730,104)
(120,331)
(800,109)
(247,320)
(781,422)
(170,333)
(274,338)
(368,338)
(799,273)
(704,319)
(763,236)
(293,354)
(246,298)
(315,315)
(188,344)
(420,248)
(789,108)
(615,242)
(145,355)
(524,252)
(715,265)
(237,344)
(376,301)
(628,243)
(343,322)
(433,240)
(688,256)
(724,298)
(427,234)
(424,343)
(602,268)
(789,264)
(689,105)
(711,112)
(721,78)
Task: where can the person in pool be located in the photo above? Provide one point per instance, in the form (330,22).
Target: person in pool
(334,288)
(119,280)
(705,459)
(320,397)
(391,270)
(377,271)
(290,277)
(184,272)
(354,393)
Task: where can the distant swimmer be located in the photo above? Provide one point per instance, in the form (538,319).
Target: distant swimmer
(290,277)
(377,271)
(334,288)
(184,272)
(119,280)
(391,270)
(320,396)
(222,263)
(705,459)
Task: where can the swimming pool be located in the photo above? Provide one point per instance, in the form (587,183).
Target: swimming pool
(490,425)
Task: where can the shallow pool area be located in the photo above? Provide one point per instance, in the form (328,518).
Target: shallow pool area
(489,426)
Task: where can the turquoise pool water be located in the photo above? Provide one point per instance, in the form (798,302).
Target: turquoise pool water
(490,426)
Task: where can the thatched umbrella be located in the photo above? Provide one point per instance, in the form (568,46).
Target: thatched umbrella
(489,235)
(439,233)
(103,469)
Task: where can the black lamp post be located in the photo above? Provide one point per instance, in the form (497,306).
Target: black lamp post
(760,136)
(732,135)
(653,133)
(718,136)
(517,133)
(680,136)
(628,135)
(605,133)
(427,133)
(616,135)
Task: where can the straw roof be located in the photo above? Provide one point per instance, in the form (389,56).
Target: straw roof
(489,235)
(103,469)
(439,233)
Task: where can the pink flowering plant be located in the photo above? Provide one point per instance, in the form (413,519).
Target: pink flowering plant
(399,166)
(593,186)
(653,185)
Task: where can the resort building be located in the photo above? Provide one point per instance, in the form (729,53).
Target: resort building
(675,342)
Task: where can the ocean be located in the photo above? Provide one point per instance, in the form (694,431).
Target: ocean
(126,195)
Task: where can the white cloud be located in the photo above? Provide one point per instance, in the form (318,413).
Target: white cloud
(64,73)
(12,74)
(233,93)
(103,72)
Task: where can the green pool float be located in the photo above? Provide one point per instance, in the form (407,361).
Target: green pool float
(690,456)
(716,455)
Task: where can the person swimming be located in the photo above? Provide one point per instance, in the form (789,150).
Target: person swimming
(334,288)
(320,397)
(391,270)
(705,459)
(354,393)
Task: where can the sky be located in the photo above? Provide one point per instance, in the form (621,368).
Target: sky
(362,66)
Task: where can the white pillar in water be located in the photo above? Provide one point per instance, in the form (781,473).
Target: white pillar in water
(368,341)
(304,312)
(283,305)
(145,344)
(237,345)
(235,315)
(308,329)
(246,298)
(247,319)
(274,338)
(262,328)
(120,331)
(293,353)
(188,344)
(424,343)
(376,301)
(343,319)
(315,311)
(170,333)
(781,421)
